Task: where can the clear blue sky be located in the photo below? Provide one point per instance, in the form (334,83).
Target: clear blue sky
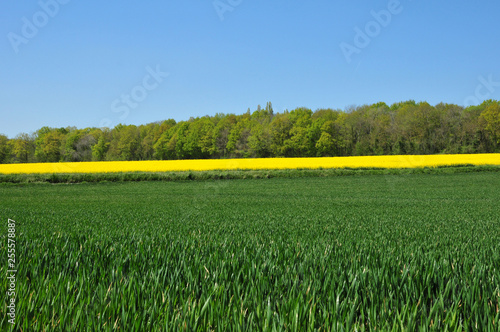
(82,57)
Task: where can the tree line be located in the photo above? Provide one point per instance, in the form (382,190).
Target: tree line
(378,129)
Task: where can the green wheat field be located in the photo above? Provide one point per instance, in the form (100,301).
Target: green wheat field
(369,252)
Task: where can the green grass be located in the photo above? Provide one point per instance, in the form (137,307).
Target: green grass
(369,252)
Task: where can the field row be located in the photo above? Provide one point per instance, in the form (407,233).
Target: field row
(340,253)
(401,161)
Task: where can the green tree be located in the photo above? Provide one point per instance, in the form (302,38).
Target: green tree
(100,149)
(297,145)
(162,149)
(149,135)
(491,115)
(5,149)
(237,145)
(129,143)
(474,130)
(49,144)
(221,134)
(78,145)
(177,143)
(379,120)
(280,131)
(259,141)
(402,128)
(161,146)
(205,128)
(263,116)
(450,137)
(69,146)
(326,145)
(23,148)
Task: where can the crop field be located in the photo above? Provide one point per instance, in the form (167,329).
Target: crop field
(370,252)
(403,161)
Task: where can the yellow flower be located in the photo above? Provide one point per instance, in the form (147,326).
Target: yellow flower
(253,164)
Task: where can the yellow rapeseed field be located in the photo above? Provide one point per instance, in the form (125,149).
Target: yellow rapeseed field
(249,164)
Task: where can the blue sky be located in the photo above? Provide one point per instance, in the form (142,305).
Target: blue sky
(89,63)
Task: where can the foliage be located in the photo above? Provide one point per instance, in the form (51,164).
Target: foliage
(5,149)
(48,144)
(377,129)
(492,117)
